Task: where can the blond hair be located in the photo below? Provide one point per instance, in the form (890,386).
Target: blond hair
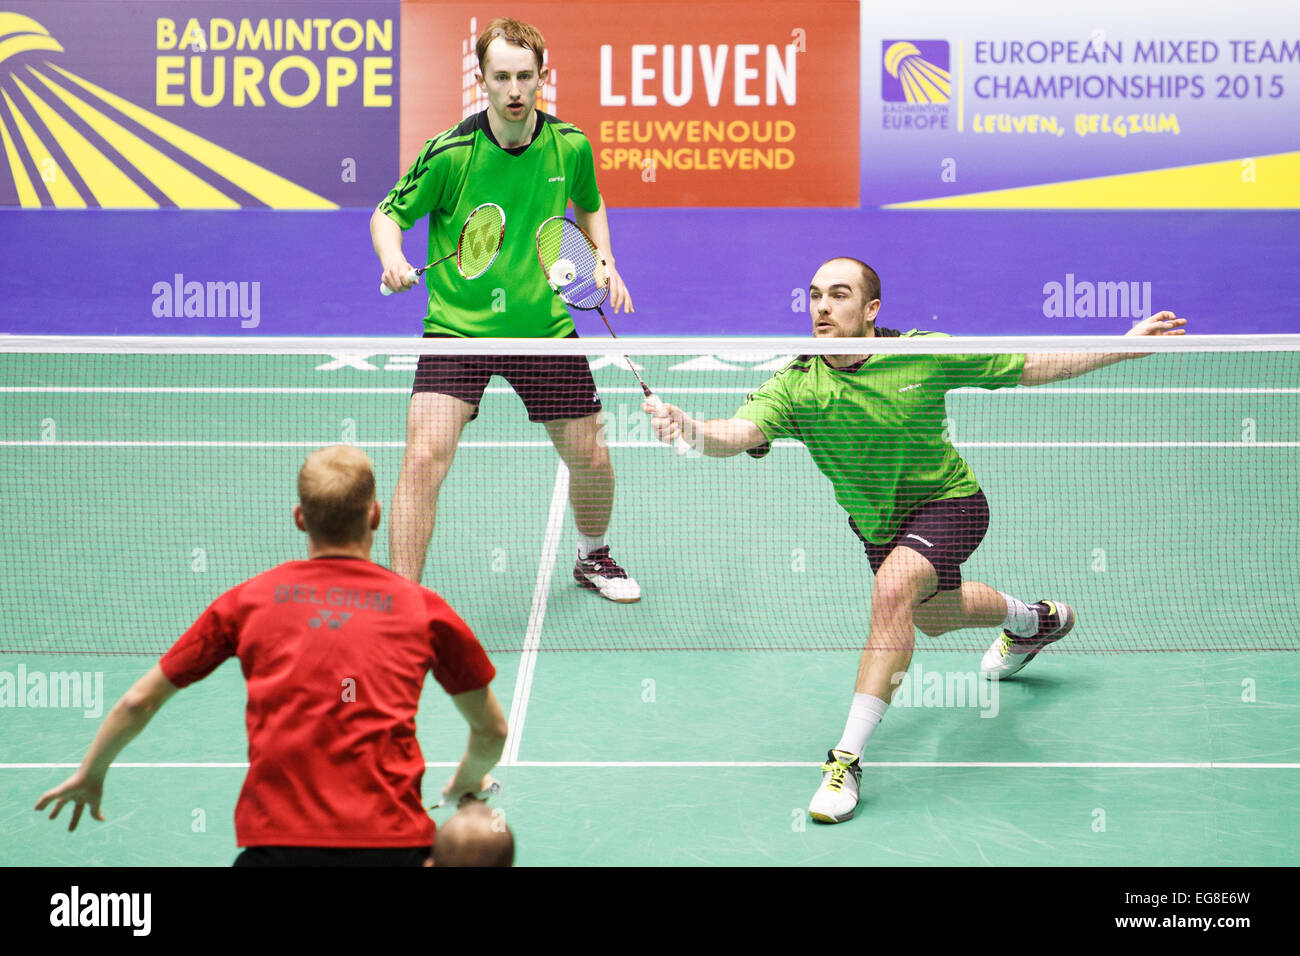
(512,31)
(475,836)
(336,487)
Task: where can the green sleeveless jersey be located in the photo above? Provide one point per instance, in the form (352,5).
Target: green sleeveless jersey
(876,429)
(464,167)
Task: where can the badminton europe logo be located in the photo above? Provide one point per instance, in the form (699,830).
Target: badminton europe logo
(72,144)
(915,84)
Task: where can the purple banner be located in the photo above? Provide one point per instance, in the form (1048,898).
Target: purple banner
(210,105)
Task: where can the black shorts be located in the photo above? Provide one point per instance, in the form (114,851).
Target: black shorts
(947,532)
(333,856)
(551,386)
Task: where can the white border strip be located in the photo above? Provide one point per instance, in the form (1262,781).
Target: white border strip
(536,615)
(751,764)
(765,346)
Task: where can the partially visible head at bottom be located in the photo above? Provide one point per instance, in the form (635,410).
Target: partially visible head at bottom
(475,836)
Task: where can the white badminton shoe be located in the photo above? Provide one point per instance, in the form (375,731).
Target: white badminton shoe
(600,573)
(837,798)
(1010,653)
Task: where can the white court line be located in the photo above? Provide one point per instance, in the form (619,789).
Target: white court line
(536,615)
(752,764)
(779,443)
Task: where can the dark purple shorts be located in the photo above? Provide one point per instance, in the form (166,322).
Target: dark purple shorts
(947,532)
(550,386)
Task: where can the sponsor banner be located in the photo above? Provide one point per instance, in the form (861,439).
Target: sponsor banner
(208,105)
(685,104)
(1112,105)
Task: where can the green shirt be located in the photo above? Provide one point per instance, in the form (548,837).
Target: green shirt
(465,167)
(876,429)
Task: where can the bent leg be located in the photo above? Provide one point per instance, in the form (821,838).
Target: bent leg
(903,580)
(433,426)
(972,605)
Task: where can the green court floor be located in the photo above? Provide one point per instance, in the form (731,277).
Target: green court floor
(686,729)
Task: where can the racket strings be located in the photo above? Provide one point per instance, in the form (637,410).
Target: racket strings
(480,240)
(562,241)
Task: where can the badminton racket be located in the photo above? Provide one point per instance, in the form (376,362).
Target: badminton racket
(576,271)
(491,790)
(479,245)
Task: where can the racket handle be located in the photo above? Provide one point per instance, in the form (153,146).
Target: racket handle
(680,444)
(493,788)
(410,277)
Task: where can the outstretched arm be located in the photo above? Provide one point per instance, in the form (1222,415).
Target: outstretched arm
(127,718)
(1044,367)
(715,437)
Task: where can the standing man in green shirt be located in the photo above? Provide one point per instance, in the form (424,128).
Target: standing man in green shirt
(874,426)
(531,165)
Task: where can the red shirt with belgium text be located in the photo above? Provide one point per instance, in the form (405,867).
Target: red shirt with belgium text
(334,651)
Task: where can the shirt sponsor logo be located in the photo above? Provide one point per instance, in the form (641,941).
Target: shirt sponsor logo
(556,179)
(908,388)
(337,597)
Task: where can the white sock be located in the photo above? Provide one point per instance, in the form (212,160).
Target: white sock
(1022,620)
(864,717)
(588,544)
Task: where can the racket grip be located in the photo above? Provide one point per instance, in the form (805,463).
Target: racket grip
(410,276)
(680,444)
(493,788)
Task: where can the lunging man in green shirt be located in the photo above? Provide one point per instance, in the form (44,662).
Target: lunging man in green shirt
(873,424)
(531,165)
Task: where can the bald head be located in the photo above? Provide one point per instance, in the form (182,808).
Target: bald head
(336,489)
(475,836)
(870,282)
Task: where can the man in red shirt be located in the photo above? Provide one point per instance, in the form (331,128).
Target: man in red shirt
(334,650)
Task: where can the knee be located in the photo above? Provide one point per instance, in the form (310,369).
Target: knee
(426,463)
(587,455)
(597,457)
(891,597)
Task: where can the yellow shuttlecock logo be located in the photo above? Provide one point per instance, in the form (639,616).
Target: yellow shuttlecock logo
(914,75)
(37,106)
